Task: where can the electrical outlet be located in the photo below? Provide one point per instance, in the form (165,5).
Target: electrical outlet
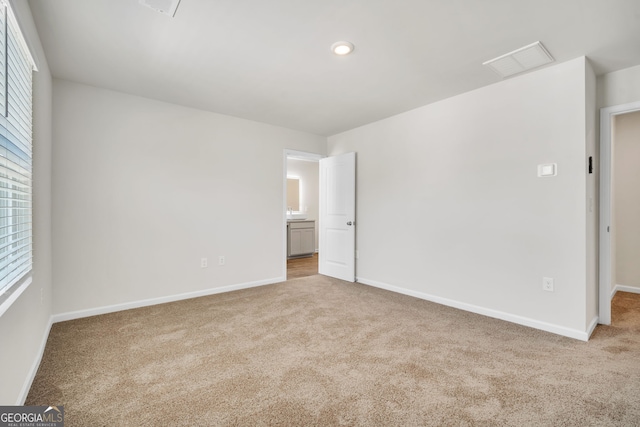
(547,284)
(221,260)
(204,263)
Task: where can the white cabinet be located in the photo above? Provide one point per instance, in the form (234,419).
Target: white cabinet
(301,238)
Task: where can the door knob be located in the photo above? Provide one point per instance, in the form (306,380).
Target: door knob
(349,223)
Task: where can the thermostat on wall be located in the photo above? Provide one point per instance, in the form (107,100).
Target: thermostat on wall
(550,169)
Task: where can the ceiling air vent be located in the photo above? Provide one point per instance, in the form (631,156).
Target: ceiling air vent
(520,60)
(167,7)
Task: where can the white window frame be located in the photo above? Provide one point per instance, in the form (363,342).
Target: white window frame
(20,100)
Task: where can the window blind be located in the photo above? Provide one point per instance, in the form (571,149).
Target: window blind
(16,70)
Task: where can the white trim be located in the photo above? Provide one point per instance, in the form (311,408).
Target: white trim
(10,296)
(623,288)
(297,155)
(592,327)
(22,397)
(62,317)
(525,321)
(604,283)
(303,155)
(284,215)
(22,39)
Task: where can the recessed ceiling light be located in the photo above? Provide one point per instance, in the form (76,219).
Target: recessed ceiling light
(342,48)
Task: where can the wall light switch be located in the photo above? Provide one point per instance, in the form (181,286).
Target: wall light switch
(549,169)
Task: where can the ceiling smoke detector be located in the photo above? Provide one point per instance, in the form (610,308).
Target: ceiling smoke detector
(520,60)
(166,7)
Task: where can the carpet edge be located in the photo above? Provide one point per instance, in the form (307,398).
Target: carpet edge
(72,315)
(496,314)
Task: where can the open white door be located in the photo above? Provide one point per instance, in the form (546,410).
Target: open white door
(337,236)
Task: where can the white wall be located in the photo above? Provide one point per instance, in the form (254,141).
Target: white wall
(619,87)
(450,207)
(308,172)
(25,326)
(144,189)
(627,199)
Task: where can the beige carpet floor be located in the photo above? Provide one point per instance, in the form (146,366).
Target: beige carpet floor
(316,351)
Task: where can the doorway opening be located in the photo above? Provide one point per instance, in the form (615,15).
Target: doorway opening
(618,242)
(301,199)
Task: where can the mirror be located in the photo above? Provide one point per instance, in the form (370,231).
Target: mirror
(293,194)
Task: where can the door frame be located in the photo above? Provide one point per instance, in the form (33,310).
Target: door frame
(606,226)
(298,155)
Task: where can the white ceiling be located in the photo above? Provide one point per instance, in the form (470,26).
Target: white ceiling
(269,61)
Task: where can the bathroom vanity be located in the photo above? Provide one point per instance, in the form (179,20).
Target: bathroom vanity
(301,238)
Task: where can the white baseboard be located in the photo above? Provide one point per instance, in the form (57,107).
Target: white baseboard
(525,321)
(34,366)
(61,317)
(623,288)
(592,326)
